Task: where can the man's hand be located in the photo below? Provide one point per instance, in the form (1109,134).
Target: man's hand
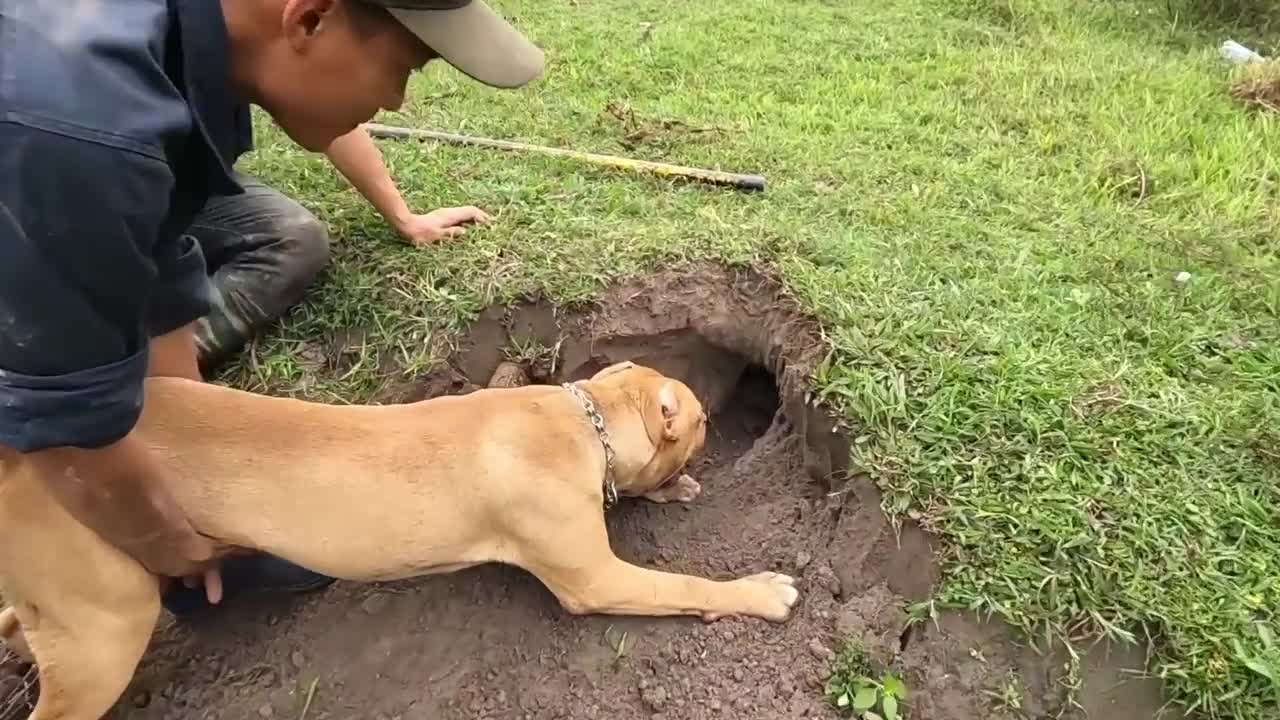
(358,159)
(422,230)
(121,493)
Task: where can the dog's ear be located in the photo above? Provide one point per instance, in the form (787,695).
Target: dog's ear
(614,368)
(670,409)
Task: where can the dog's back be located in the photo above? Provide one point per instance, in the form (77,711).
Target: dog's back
(361,492)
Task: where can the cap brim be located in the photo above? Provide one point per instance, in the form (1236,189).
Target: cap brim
(478,42)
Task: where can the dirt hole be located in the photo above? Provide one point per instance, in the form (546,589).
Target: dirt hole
(778,494)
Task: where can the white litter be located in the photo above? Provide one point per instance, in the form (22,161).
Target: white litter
(1233,51)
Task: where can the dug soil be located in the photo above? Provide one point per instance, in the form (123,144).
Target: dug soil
(777,495)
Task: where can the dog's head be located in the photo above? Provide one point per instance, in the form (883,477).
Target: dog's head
(674,422)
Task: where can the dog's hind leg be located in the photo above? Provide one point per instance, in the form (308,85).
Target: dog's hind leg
(86,666)
(85,609)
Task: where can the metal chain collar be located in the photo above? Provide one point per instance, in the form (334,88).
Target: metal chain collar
(597,420)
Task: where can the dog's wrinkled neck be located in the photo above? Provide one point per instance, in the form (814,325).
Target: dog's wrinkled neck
(635,446)
(643,470)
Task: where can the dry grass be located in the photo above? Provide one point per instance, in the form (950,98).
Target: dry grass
(1258,86)
(18,685)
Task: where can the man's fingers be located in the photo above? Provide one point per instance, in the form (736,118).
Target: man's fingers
(446,233)
(213,586)
(470,213)
(431,238)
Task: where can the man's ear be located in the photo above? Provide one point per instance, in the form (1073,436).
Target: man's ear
(614,368)
(302,19)
(670,409)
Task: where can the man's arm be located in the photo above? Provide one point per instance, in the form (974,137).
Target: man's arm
(78,221)
(358,158)
(119,491)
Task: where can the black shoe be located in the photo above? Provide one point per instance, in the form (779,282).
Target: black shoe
(246,575)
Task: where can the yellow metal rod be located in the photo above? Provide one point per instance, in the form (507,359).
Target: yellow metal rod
(715,177)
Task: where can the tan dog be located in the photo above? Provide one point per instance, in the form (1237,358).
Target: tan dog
(369,493)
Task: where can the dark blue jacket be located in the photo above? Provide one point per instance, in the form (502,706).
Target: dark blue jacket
(117,123)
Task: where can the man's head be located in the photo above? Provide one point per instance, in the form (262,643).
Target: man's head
(322,67)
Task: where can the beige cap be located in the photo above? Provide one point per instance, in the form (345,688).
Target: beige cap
(470,36)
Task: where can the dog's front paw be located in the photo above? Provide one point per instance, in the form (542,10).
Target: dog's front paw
(767,595)
(777,595)
(684,489)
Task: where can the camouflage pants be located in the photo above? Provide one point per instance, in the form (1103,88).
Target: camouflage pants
(262,251)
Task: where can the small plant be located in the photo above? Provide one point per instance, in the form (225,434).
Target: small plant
(852,689)
(1010,695)
(620,643)
(538,359)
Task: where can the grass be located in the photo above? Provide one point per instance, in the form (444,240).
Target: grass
(1041,238)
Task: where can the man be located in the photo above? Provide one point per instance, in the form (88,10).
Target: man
(119,123)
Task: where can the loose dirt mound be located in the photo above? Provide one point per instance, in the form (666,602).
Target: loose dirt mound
(777,495)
